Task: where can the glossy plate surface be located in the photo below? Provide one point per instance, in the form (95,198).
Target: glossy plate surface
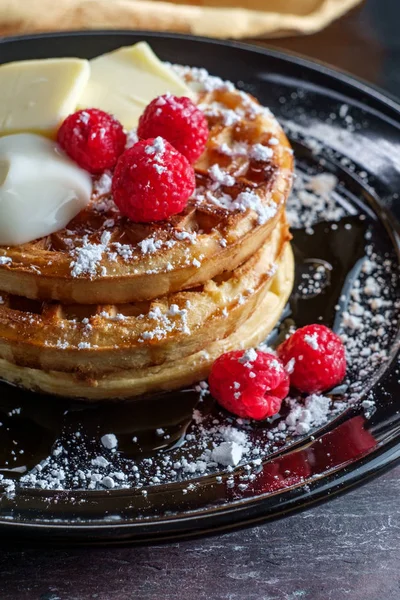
(339,126)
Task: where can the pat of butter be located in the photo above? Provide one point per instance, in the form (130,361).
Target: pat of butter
(37,95)
(41,189)
(123,83)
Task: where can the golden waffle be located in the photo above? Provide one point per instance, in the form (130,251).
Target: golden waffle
(170,374)
(96,339)
(103,258)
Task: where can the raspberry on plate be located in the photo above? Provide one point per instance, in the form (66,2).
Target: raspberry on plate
(177,120)
(315,358)
(249,384)
(93,139)
(152,181)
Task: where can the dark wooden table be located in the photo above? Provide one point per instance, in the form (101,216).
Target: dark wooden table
(347,548)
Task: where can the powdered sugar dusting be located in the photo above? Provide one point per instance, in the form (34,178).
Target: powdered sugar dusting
(174,319)
(312,340)
(313,413)
(131,138)
(215,442)
(102,186)
(251,200)
(227,454)
(313,199)
(87,258)
(261,153)
(150,245)
(157,148)
(220,177)
(249,356)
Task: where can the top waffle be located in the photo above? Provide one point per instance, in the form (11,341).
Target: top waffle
(243,180)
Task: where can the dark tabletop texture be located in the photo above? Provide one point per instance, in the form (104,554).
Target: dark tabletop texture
(348,548)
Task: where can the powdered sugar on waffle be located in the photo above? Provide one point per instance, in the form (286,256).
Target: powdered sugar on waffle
(260,152)
(244,201)
(174,319)
(102,186)
(220,177)
(235,149)
(202,78)
(202,81)
(251,200)
(150,245)
(88,257)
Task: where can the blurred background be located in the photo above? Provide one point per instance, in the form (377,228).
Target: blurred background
(217,18)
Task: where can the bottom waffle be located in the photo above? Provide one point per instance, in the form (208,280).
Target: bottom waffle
(169,375)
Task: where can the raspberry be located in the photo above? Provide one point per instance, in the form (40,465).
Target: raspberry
(177,120)
(249,384)
(93,139)
(316,357)
(152,181)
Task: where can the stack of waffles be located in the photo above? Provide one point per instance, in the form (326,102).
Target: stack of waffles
(107,308)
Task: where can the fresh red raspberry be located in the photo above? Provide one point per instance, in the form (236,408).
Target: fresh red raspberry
(177,120)
(93,139)
(152,181)
(315,358)
(249,384)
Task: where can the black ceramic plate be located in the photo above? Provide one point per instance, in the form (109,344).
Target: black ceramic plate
(337,125)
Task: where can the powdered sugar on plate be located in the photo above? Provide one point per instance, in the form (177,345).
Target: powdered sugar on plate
(314,199)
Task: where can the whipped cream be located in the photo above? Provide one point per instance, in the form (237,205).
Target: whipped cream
(41,189)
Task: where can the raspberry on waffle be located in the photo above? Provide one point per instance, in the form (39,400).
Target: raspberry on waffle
(109,308)
(242,182)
